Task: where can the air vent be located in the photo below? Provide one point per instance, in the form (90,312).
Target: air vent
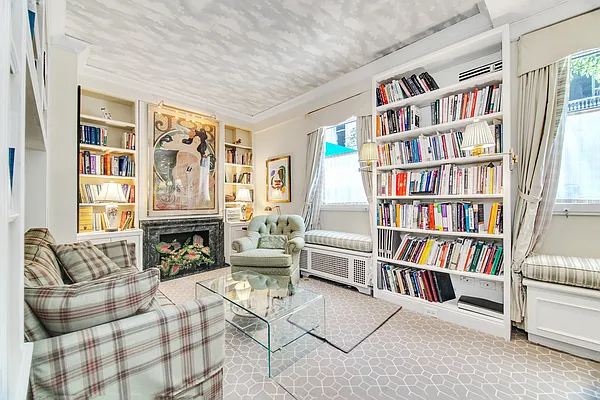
(304,259)
(483,69)
(333,265)
(359,271)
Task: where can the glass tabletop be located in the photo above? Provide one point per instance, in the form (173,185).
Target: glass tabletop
(260,295)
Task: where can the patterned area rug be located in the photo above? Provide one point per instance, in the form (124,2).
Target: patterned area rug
(351,316)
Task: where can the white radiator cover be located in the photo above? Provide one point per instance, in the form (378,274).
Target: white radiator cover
(339,265)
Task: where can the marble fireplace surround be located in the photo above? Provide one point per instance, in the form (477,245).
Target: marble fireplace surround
(154,228)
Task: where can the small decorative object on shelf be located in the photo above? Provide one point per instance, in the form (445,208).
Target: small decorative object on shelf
(239,141)
(105,113)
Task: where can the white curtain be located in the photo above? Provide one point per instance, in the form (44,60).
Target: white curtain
(313,187)
(364,134)
(542,111)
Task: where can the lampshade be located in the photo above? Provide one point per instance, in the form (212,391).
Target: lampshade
(477,134)
(111,192)
(243,195)
(368,152)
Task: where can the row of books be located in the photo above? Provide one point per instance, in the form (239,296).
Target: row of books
(93,135)
(88,193)
(432,286)
(442,146)
(243,157)
(128,140)
(245,177)
(462,254)
(443,217)
(105,164)
(127,220)
(467,105)
(405,87)
(448,179)
(402,120)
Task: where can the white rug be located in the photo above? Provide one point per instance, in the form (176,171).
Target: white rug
(351,316)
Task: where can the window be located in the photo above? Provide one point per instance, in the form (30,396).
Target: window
(579,182)
(342,180)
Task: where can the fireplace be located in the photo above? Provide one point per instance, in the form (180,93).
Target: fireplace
(183,246)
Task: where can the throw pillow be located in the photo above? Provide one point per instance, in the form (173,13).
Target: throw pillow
(272,242)
(118,252)
(70,308)
(83,261)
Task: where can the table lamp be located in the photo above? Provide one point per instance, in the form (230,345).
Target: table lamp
(111,193)
(368,154)
(243,195)
(477,136)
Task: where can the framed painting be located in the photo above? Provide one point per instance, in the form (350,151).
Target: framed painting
(279,181)
(183,161)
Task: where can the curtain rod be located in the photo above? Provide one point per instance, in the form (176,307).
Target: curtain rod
(337,102)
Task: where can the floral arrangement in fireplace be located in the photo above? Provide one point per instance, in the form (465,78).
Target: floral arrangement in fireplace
(176,257)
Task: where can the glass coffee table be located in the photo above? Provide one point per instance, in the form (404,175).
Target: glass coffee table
(286,326)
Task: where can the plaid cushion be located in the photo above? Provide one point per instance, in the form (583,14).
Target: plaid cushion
(149,356)
(573,271)
(39,267)
(69,308)
(272,242)
(83,262)
(34,330)
(39,237)
(159,301)
(342,240)
(117,252)
(132,255)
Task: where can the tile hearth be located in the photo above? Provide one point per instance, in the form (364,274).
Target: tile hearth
(410,357)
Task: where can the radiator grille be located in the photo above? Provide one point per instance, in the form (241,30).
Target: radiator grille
(304,259)
(329,264)
(359,271)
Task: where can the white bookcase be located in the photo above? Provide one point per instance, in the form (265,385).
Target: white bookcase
(239,171)
(445,65)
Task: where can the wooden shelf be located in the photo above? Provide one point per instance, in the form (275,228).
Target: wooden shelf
(104,204)
(432,129)
(238,184)
(238,165)
(443,196)
(131,178)
(105,149)
(460,87)
(443,233)
(238,146)
(238,202)
(477,275)
(109,122)
(486,158)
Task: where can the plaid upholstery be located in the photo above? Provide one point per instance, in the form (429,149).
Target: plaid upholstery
(39,237)
(212,388)
(34,330)
(272,242)
(132,255)
(117,252)
(342,240)
(159,354)
(122,271)
(69,308)
(83,261)
(41,265)
(159,301)
(573,271)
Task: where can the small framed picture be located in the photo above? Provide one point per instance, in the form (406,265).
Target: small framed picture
(279,181)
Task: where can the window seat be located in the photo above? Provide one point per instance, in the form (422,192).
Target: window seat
(563,303)
(341,240)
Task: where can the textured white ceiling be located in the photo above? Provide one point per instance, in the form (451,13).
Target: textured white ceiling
(250,55)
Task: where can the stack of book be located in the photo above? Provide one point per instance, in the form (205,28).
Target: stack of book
(233,156)
(98,221)
(402,120)
(127,220)
(245,177)
(128,141)
(441,146)
(467,105)
(443,217)
(405,88)
(448,179)
(105,164)
(88,193)
(428,285)
(481,306)
(461,254)
(93,135)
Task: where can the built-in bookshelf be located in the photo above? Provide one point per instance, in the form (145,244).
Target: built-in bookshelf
(442,215)
(239,170)
(107,143)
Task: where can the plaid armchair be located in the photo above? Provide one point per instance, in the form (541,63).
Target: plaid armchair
(169,352)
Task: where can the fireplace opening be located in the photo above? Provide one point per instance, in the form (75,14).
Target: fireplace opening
(184,253)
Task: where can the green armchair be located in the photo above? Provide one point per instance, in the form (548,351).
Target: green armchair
(281,261)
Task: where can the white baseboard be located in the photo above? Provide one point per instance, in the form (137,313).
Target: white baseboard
(565,347)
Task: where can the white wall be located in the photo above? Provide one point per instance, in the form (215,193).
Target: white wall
(36,207)
(576,235)
(62,147)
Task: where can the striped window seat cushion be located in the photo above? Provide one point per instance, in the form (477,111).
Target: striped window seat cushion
(342,240)
(573,271)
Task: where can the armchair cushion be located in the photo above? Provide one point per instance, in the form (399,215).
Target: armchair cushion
(272,242)
(261,258)
(243,244)
(84,262)
(294,245)
(69,308)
